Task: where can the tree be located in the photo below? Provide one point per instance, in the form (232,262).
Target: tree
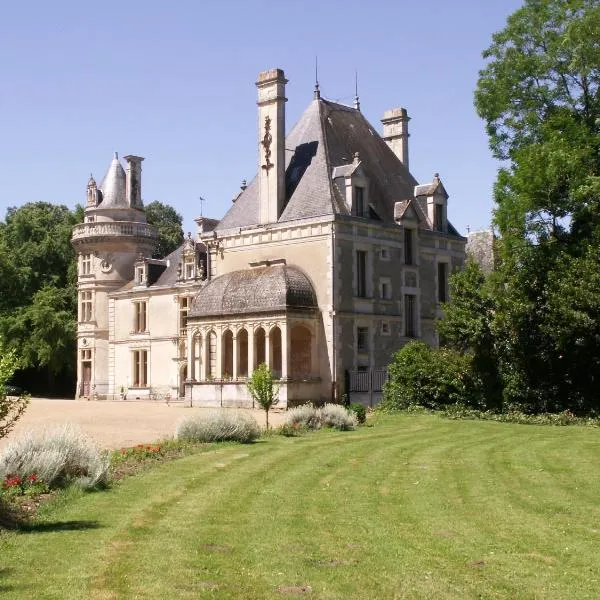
(38,287)
(263,390)
(467,327)
(168,223)
(539,95)
(11,408)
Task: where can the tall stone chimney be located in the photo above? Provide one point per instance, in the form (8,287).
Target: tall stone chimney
(395,132)
(133,181)
(271,146)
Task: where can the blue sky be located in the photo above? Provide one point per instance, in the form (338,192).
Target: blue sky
(174,82)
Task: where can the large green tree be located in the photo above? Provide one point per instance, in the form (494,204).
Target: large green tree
(38,289)
(168,223)
(539,96)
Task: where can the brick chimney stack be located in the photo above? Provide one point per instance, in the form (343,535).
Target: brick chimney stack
(395,132)
(271,144)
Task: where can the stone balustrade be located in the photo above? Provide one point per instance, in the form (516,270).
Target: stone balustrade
(113,229)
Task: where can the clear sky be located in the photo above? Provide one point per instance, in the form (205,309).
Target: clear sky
(173,81)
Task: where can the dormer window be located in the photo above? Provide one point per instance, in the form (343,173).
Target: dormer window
(189,267)
(359,201)
(140,274)
(438,217)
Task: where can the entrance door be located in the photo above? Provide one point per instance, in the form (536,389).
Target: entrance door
(86,378)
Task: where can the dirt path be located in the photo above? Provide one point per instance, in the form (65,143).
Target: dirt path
(116,424)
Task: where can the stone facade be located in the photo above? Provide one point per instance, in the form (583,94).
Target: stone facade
(328,261)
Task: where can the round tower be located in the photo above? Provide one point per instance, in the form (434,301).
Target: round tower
(112,237)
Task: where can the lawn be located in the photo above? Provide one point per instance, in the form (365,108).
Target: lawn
(410,507)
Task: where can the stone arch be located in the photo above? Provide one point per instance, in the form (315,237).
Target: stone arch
(227,353)
(259,347)
(242,342)
(275,351)
(301,352)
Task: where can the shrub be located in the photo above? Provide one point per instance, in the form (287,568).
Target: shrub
(11,408)
(360,411)
(429,377)
(262,389)
(219,427)
(305,415)
(337,417)
(57,457)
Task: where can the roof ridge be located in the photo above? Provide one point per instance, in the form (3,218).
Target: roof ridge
(327,157)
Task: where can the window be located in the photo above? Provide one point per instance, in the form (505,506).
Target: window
(90,219)
(385,289)
(86,355)
(361,273)
(408,247)
(442,282)
(385,328)
(438,223)
(359,202)
(86,264)
(362,340)
(384,254)
(184,306)
(410,329)
(139,317)
(189,269)
(140,368)
(140,274)
(86,306)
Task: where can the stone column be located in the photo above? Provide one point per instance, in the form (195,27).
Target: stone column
(204,357)
(268,348)
(235,357)
(219,373)
(285,349)
(190,354)
(250,350)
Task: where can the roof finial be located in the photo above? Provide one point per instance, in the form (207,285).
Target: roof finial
(356,100)
(117,155)
(202,201)
(316,93)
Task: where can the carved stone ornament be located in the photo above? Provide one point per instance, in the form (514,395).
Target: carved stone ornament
(266,143)
(106,264)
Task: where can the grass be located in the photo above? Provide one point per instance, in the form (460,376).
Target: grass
(412,507)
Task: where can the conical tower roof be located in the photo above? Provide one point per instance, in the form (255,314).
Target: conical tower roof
(113,186)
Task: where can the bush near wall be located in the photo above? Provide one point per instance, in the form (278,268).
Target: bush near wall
(430,377)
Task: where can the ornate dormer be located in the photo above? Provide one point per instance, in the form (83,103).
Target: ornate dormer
(140,271)
(434,196)
(353,184)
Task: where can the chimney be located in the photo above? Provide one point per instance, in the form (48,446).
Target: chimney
(271,147)
(395,132)
(133,181)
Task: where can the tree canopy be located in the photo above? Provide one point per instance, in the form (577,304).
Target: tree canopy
(536,319)
(168,223)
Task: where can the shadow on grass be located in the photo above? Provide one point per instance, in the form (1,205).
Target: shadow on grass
(4,572)
(59,526)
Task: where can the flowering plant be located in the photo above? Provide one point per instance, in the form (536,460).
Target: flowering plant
(15,485)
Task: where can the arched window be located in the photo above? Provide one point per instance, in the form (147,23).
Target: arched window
(259,347)
(300,350)
(275,350)
(242,341)
(227,353)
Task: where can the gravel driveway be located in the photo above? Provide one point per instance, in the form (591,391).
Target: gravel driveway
(117,424)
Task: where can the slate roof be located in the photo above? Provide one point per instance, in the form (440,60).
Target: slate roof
(261,289)
(113,186)
(328,135)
